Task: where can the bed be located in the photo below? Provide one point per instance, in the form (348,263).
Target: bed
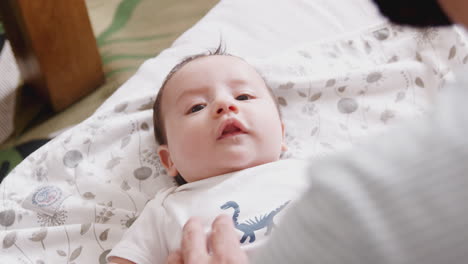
(340,72)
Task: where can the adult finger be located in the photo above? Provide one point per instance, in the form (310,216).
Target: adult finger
(224,241)
(175,258)
(194,247)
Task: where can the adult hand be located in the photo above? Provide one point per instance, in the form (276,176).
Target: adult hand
(222,241)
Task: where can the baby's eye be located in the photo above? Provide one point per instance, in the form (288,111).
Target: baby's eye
(243,97)
(196,108)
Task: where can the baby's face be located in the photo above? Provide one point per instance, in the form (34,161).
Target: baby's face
(219,117)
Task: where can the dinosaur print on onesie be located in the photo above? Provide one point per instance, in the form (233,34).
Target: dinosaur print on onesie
(251,225)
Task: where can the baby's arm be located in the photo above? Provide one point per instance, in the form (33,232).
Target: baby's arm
(117,260)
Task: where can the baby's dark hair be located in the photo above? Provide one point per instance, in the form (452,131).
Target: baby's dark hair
(159,129)
(417,13)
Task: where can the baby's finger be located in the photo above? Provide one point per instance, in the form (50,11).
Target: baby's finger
(225,241)
(175,258)
(194,247)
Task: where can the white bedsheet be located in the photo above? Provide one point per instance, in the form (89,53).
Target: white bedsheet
(340,72)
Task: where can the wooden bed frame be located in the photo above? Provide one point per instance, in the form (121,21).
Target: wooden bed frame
(55,48)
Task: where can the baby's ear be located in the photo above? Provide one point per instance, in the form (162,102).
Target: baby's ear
(284,147)
(165,157)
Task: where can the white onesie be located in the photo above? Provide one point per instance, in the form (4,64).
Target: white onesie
(256,198)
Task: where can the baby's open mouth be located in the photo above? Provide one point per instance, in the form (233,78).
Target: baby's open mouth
(231,128)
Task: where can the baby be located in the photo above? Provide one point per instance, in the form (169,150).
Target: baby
(214,116)
(211,116)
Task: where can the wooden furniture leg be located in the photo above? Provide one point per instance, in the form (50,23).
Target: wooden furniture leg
(55,48)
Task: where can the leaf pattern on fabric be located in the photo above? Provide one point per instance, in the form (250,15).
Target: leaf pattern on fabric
(330,83)
(106,213)
(387,115)
(374,77)
(315,96)
(332,95)
(103,235)
(120,107)
(341,89)
(102,257)
(314,131)
(286,86)
(382,34)
(368,47)
(419,82)
(400,96)
(452,52)
(113,162)
(125,141)
(85,228)
(301,94)
(9,240)
(76,253)
(419,57)
(89,195)
(125,186)
(282,101)
(146,106)
(39,236)
(144,126)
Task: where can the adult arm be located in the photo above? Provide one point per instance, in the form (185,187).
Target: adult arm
(401,198)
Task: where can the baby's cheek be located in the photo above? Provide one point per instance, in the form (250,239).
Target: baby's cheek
(192,144)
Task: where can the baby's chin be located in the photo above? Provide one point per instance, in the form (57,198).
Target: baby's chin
(228,167)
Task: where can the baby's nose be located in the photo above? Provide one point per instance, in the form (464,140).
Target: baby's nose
(230,108)
(225,107)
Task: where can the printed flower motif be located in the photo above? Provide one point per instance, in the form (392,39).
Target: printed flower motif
(160,170)
(294,147)
(309,109)
(152,158)
(40,173)
(57,219)
(426,35)
(128,220)
(106,213)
